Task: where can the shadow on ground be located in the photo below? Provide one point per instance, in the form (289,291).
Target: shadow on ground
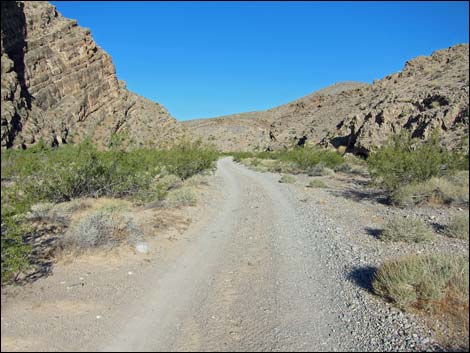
(363,277)
(360,190)
(44,243)
(374,232)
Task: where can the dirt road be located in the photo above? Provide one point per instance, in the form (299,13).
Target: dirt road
(257,272)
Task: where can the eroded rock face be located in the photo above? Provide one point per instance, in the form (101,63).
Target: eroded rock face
(430,93)
(58,85)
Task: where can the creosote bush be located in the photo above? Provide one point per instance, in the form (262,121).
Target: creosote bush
(405,161)
(298,159)
(54,175)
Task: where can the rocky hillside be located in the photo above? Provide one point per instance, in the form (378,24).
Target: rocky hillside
(431,92)
(58,85)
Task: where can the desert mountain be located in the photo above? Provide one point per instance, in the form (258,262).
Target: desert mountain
(58,85)
(430,92)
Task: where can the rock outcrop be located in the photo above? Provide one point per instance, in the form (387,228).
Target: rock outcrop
(430,93)
(59,86)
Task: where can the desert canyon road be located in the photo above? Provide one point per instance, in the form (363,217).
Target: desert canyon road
(264,266)
(251,281)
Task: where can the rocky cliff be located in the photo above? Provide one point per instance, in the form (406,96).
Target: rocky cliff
(430,93)
(58,85)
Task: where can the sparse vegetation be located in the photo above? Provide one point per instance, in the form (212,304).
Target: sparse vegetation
(437,190)
(458,227)
(425,282)
(181,197)
(405,161)
(407,229)
(54,175)
(287,179)
(320,170)
(316,183)
(104,228)
(297,160)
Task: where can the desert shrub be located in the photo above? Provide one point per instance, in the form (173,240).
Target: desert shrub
(272,165)
(344,168)
(15,252)
(405,160)
(187,159)
(316,184)
(422,281)
(169,182)
(458,227)
(105,228)
(299,159)
(438,190)
(238,156)
(181,197)
(57,175)
(289,179)
(308,157)
(196,180)
(41,210)
(320,170)
(407,229)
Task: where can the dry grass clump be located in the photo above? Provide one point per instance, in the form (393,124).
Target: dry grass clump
(438,284)
(437,190)
(422,281)
(40,210)
(104,228)
(56,213)
(316,184)
(169,182)
(287,179)
(196,180)
(458,227)
(181,197)
(320,170)
(407,229)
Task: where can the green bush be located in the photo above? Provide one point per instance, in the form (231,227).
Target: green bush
(410,230)
(308,157)
(422,281)
(15,253)
(303,158)
(238,156)
(405,160)
(188,159)
(61,174)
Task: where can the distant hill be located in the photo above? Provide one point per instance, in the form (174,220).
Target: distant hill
(430,92)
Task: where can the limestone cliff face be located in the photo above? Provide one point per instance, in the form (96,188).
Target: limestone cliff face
(430,93)
(58,85)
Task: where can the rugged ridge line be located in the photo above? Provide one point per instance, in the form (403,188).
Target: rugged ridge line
(431,92)
(59,86)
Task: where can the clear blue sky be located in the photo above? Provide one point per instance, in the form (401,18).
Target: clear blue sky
(205,59)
